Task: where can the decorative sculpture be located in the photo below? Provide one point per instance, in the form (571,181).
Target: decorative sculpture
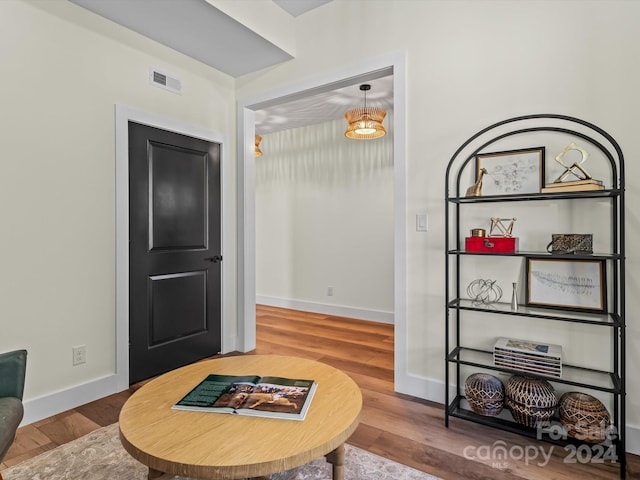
(496,224)
(571,170)
(484,292)
(475,190)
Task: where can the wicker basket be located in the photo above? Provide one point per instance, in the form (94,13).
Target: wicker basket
(485,394)
(532,401)
(584,417)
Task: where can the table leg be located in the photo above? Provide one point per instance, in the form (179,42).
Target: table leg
(158,475)
(336,458)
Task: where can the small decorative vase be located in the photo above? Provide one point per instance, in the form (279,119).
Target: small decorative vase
(514,297)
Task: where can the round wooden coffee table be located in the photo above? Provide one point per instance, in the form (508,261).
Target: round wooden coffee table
(225,446)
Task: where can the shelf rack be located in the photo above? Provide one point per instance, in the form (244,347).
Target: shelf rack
(610,380)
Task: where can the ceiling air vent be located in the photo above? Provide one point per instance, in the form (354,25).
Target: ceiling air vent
(163,80)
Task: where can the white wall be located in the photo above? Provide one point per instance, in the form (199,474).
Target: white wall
(63,71)
(469,64)
(324,217)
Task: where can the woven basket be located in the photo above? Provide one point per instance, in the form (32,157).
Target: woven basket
(584,417)
(532,401)
(485,394)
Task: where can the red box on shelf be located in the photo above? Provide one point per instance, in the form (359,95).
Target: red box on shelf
(491,244)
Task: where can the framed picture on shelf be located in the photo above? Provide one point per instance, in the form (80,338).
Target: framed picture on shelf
(566,284)
(512,172)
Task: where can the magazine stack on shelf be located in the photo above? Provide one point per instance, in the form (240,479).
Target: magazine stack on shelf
(528,357)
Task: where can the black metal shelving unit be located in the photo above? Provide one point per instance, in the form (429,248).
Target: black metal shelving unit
(611,324)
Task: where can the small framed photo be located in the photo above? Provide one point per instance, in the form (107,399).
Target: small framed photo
(511,173)
(567,284)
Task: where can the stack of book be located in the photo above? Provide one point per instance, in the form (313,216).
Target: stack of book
(527,356)
(573,186)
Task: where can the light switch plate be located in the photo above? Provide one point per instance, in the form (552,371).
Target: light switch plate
(421,222)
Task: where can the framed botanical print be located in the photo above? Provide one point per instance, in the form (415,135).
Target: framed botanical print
(512,172)
(566,283)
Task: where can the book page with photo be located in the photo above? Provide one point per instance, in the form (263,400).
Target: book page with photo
(251,395)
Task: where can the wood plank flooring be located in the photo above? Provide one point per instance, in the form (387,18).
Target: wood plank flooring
(408,430)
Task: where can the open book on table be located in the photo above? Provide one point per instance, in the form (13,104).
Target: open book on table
(251,395)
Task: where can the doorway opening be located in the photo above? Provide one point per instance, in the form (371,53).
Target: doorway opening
(324,209)
(389,65)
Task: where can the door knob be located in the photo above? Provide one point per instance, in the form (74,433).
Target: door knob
(214,259)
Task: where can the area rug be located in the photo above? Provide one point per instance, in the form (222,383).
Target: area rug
(99,456)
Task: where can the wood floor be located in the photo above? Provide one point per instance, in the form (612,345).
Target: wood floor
(408,430)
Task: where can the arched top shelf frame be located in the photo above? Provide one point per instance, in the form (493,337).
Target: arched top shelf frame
(524,124)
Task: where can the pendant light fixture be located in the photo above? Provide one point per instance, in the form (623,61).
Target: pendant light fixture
(258,152)
(365,123)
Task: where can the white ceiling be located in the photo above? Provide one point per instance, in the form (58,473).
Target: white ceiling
(298,7)
(201,31)
(195,28)
(323,107)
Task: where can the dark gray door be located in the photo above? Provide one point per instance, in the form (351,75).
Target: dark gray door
(174,250)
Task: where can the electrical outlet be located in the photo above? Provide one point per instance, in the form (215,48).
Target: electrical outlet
(79,354)
(330,291)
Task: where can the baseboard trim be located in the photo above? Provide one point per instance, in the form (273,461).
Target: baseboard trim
(633,439)
(420,387)
(327,309)
(58,402)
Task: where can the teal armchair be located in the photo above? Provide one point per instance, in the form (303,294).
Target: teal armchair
(12,373)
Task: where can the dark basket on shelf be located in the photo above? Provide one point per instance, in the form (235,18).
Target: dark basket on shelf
(485,394)
(532,401)
(584,417)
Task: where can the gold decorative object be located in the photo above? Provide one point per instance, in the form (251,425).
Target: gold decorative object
(258,152)
(478,232)
(571,170)
(365,123)
(475,190)
(497,225)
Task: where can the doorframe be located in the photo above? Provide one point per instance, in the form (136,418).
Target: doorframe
(394,64)
(124,114)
